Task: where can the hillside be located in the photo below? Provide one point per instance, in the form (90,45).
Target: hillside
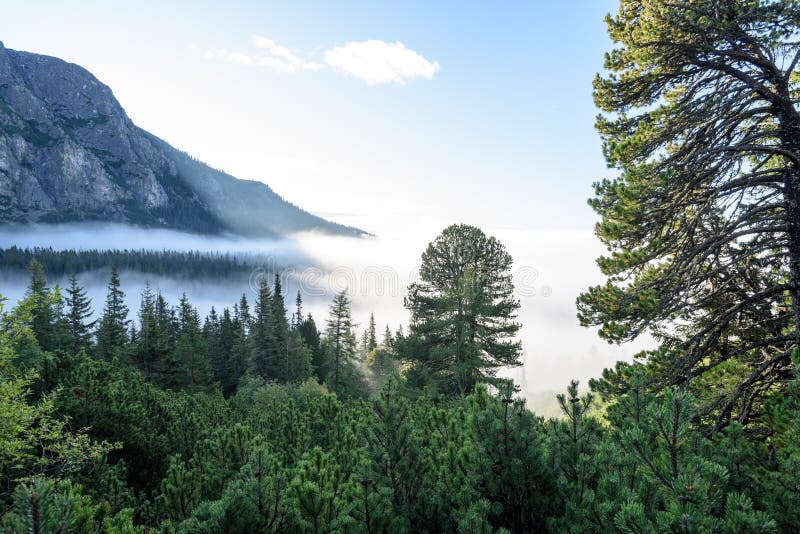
(69,152)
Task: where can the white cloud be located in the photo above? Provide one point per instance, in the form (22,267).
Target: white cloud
(378,62)
(268,54)
(374,62)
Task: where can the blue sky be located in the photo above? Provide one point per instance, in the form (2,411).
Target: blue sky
(500,136)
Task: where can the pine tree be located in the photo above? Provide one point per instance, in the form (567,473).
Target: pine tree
(79,328)
(462,313)
(280,333)
(372,339)
(212,333)
(311,337)
(263,354)
(166,338)
(700,122)
(297,316)
(145,350)
(44,313)
(240,348)
(387,338)
(231,368)
(112,330)
(340,348)
(191,352)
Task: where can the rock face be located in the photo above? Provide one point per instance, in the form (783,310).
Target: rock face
(68,152)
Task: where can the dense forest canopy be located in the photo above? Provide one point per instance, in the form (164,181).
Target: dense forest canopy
(256,418)
(190,264)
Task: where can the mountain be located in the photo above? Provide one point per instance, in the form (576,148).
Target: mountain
(69,152)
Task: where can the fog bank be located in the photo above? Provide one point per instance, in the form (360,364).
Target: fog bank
(551,267)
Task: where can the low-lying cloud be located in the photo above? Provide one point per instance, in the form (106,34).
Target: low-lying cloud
(550,269)
(374,62)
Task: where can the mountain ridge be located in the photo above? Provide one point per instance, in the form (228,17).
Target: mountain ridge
(69,153)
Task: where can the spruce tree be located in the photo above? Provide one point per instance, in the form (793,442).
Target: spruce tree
(263,354)
(297,316)
(166,335)
(280,332)
(191,352)
(145,350)
(112,330)
(240,348)
(311,337)
(340,347)
(231,368)
(212,333)
(44,314)
(387,338)
(79,312)
(372,338)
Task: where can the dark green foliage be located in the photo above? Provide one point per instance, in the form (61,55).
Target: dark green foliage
(307,329)
(45,506)
(190,265)
(79,312)
(701,122)
(462,313)
(112,329)
(264,351)
(192,369)
(339,345)
(510,462)
(293,457)
(45,312)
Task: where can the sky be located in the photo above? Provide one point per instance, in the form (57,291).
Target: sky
(493,124)
(399,118)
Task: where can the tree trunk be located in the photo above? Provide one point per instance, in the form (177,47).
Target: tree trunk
(790,140)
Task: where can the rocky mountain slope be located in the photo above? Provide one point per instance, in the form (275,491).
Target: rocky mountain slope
(68,152)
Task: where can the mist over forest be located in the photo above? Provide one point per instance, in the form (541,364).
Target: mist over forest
(375,270)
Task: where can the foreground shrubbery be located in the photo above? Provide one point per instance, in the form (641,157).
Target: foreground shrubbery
(296,457)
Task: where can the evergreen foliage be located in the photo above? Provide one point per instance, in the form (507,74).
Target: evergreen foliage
(462,313)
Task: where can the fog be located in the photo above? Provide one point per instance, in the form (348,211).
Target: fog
(551,267)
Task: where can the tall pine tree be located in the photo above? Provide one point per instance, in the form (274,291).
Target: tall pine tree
(112,330)
(79,327)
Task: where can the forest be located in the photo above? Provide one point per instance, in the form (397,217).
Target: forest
(189,264)
(261,418)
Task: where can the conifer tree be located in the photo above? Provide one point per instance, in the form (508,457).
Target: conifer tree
(340,347)
(297,316)
(263,354)
(372,339)
(44,314)
(240,347)
(212,333)
(166,338)
(231,367)
(79,327)
(700,119)
(145,350)
(112,330)
(280,333)
(462,313)
(387,340)
(191,352)
(311,337)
